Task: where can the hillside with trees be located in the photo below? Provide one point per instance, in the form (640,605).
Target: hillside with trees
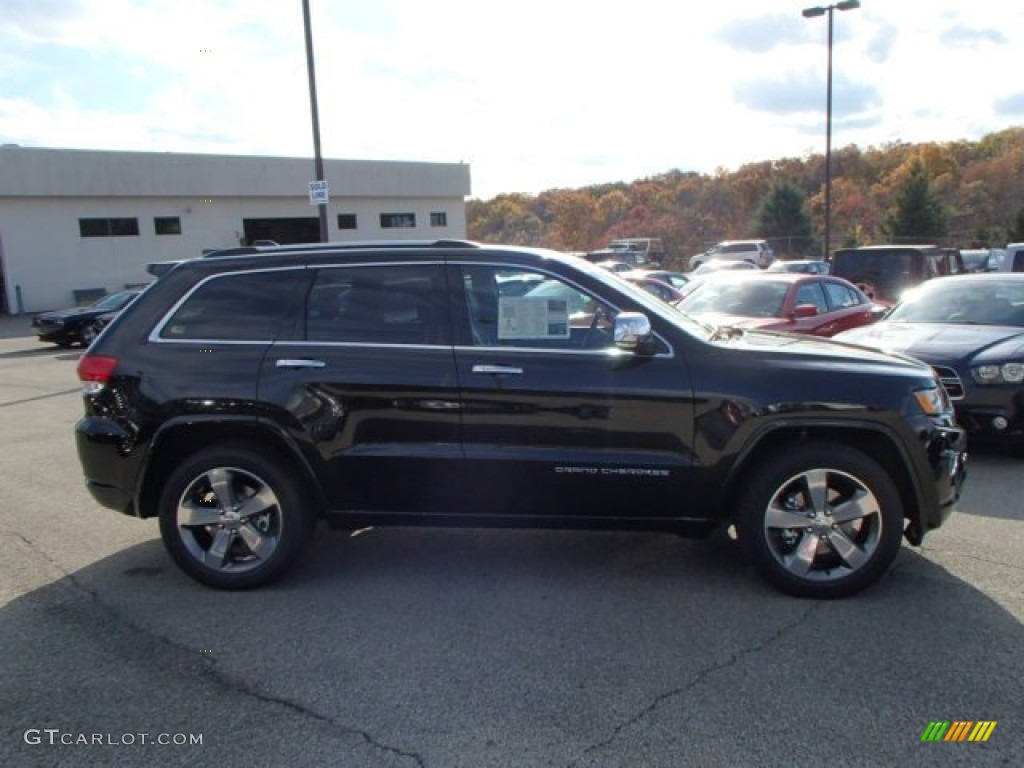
(961,194)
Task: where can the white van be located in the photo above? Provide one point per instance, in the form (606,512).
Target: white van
(1010,261)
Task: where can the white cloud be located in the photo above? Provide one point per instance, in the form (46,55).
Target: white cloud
(532,94)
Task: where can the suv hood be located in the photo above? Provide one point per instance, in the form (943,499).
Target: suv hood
(940,341)
(832,352)
(64,314)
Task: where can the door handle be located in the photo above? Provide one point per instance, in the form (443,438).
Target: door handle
(300,363)
(498,370)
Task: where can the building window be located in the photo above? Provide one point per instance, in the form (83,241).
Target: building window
(439,219)
(167,225)
(108,227)
(397,220)
(94,227)
(347,221)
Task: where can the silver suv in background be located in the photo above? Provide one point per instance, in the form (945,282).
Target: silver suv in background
(757,252)
(1010,260)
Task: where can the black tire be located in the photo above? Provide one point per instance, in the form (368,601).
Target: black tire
(89,334)
(845,533)
(246,541)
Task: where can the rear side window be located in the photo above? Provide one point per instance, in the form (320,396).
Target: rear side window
(400,304)
(1018,262)
(237,307)
(841,296)
(810,293)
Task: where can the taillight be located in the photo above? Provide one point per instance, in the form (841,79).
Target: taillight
(94,371)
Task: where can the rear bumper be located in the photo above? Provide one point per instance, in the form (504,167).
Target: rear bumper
(110,469)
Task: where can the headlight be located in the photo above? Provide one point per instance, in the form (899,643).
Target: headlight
(933,401)
(1007,373)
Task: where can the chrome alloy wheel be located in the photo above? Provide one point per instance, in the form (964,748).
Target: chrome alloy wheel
(89,334)
(822,525)
(229,520)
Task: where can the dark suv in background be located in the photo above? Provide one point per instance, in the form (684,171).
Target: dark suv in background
(885,272)
(247,394)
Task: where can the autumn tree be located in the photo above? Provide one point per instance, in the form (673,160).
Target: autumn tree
(917,213)
(782,217)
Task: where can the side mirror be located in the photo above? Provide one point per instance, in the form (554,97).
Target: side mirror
(804,310)
(632,332)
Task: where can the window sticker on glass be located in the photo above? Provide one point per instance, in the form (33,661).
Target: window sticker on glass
(532,317)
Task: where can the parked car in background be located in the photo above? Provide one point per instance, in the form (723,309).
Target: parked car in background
(782,301)
(658,288)
(716,265)
(970,329)
(676,279)
(244,397)
(77,325)
(651,249)
(884,272)
(615,266)
(757,252)
(806,266)
(982,259)
(952,262)
(1010,260)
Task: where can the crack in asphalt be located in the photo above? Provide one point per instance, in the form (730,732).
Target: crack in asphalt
(40,397)
(218,676)
(966,556)
(700,677)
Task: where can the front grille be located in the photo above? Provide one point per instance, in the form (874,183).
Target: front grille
(950,380)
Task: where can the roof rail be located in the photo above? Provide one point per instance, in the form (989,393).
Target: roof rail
(259,247)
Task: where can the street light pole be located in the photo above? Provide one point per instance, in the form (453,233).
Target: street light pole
(809,13)
(318,160)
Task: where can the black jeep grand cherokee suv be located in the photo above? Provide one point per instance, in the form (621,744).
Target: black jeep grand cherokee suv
(249,393)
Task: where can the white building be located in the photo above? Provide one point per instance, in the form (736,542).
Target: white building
(74,224)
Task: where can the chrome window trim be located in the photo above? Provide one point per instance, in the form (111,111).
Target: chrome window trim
(154,335)
(363,344)
(155,338)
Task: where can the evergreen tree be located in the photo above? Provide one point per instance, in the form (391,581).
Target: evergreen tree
(917,214)
(782,218)
(1017,230)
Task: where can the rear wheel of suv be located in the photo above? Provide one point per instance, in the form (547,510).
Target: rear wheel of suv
(821,520)
(232,518)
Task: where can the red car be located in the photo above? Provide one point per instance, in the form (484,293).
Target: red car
(782,301)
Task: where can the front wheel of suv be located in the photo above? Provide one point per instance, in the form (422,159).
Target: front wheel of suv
(821,520)
(232,518)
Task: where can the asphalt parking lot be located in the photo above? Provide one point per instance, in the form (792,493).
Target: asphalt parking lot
(440,648)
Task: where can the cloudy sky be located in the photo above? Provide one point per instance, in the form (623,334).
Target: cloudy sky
(533,94)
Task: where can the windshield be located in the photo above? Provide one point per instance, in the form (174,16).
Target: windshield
(115,301)
(964,302)
(748,298)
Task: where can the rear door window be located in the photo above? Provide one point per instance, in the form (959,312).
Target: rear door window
(379,304)
(811,293)
(841,296)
